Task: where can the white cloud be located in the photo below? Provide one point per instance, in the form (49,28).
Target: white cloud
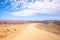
(45,6)
(24,12)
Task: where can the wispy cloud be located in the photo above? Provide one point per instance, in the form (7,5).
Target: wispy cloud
(28,9)
(24,12)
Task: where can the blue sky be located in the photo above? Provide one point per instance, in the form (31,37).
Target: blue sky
(29,10)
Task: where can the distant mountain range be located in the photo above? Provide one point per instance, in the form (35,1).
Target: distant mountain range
(22,21)
(11,21)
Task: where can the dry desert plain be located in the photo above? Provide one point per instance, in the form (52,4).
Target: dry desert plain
(29,31)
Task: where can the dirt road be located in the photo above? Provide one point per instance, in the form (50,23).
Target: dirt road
(33,33)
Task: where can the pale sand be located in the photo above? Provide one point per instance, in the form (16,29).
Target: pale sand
(32,33)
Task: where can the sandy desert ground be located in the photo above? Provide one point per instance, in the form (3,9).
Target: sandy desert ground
(28,31)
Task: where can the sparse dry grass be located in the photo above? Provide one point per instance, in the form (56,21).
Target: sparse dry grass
(10,31)
(7,29)
(49,27)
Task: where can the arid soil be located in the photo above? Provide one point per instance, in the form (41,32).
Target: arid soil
(28,31)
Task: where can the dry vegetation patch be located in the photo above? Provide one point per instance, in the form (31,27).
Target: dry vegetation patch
(7,29)
(51,27)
